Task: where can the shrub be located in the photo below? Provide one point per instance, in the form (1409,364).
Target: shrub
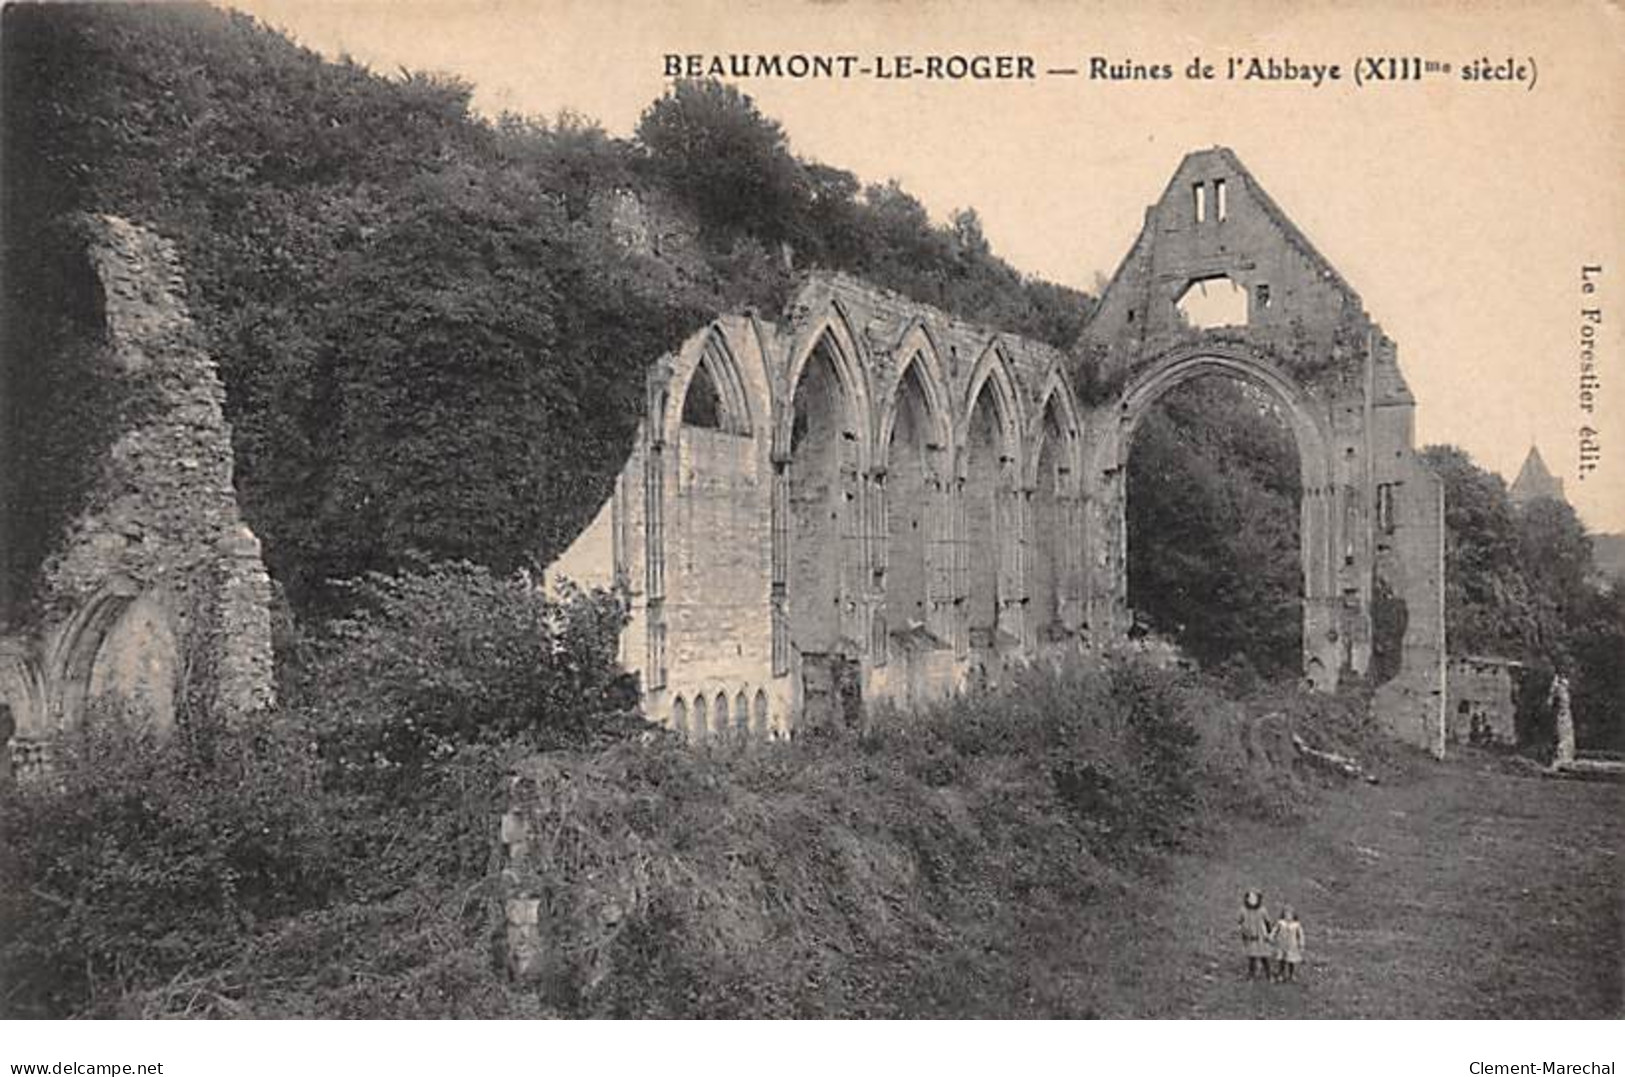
(138,860)
(144,879)
(333,860)
(451,654)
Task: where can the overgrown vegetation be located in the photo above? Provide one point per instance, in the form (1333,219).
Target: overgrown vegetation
(343,840)
(340,860)
(431,333)
(1521,583)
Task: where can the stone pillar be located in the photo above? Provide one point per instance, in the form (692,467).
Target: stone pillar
(1563,718)
(246,675)
(779,554)
(522,911)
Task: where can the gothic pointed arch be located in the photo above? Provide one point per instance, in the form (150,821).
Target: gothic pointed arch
(993,374)
(1326,504)
(831,336)
(991,532)
(713,392)
(919,358)
(22,690)
(1057,412)
(914,552)
(1052,554)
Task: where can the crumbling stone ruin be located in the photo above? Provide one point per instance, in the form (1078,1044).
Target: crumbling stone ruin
(154,597)
(1483,704)
(867,501)
(872,501)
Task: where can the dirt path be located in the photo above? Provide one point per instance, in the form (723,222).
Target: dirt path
(1462,890)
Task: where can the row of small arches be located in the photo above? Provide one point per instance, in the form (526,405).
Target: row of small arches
(720,717)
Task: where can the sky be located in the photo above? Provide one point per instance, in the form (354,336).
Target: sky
(1462,211)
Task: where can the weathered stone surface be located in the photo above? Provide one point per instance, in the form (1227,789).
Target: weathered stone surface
(1483,703)
(873,500)
(155,593)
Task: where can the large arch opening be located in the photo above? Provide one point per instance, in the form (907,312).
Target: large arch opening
(1217,550)
(1051,525)
(987,463)
(916,509)
(825,550)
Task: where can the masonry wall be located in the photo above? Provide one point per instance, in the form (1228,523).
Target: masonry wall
(884,502)
(155,596)
(1301,332)
(1482,706)
(1407,525)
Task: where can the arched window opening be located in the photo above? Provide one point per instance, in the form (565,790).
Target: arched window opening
(715,397)
(702,718)
(1047,545)
(915,510)
(702,404)
(719,716)
(983,492)
(761,714)
(824,509)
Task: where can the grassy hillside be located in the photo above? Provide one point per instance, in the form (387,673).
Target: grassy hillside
(924,868)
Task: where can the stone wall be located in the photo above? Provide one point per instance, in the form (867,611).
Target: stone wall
(155,593)
(1483,706)
(1371,517)
(868,499)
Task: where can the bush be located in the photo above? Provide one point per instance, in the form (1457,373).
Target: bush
(451,654)
(139,860)
(335,860)
(143,879)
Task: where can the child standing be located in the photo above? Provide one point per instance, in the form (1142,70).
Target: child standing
(1288,945)
(1255,934)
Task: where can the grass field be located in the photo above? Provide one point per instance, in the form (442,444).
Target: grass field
(1470,889)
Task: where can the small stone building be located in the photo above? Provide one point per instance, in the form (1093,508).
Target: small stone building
(1483,700)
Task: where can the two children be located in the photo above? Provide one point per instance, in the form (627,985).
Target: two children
(1262,940)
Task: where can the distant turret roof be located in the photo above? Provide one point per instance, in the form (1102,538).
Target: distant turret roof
(1535,480)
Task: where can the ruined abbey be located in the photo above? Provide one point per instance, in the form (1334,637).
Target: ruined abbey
(867,500)
(864,501)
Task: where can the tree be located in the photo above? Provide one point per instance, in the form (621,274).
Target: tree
(1214,563)
(1520,582)
(709,143)
(1488,606)
(450,654)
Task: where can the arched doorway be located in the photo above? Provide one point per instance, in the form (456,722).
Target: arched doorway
(1327,644)
(1213,507)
